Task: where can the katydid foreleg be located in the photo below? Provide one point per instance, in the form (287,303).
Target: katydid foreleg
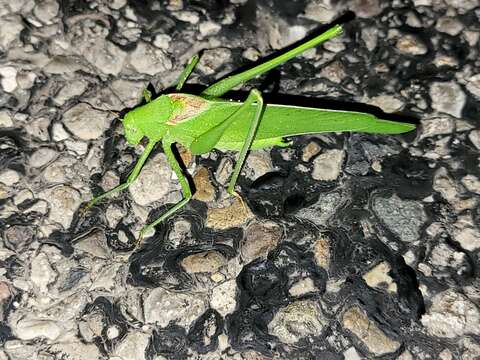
(254,97)
(147,95)
(131,178)
(187,192)
(186,72)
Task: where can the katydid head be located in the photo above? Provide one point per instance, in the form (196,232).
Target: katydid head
(132,132)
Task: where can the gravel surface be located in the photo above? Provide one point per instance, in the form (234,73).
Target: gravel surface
(348,246)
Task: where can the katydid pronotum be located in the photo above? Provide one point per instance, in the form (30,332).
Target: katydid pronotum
(205,121)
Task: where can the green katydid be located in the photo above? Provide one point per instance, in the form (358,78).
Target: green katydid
(204,122)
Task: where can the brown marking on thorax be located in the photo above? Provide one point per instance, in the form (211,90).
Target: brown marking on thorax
(186,107)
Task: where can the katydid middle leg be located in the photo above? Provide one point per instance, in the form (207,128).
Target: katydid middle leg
(254,97)
(131,178)
(207,141)
(187,192)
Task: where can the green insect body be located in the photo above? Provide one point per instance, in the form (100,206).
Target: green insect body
(204,122)
(165,116)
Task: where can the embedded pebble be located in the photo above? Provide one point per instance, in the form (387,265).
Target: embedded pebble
(6,293)
(205,190)
(59,170)
(366,8)
(436,126)
(42,157)
(133,346)
(11,28)
(17,349)
(302,287)
(149,60)
(233,215)
(208,28)
(94,244)
(379,278)
(411,45)
(223,297)
(328,165)
(251,54)
(473,85)
(162,306)
(162,41)
(297,320)
(310,151)
(462,6)
(260,238)
(474,137)
(467,234)
(41,272)
(107,277)
(449,25)
(413,20)
(187,16)
(64,201)
(447,97)
(46,10)
(5,119)
(224,171)
(76,351)
(84,122)
(212,60)
(153,183)
(375,340)
(258,163)
(129,92)
(403,217)
(321,251)
(106,56)
(472,183)
(117,4)
(321,12)
(387,103)
(112,332)
(70,90)
(334,72)
(18,237)
(204,262)
(8,78)
(471,349)
(61,64)
(370,37)
(451,314)
(444,60)
(31,327)
(406,355)
(9,177)
(352,354)
(78,147)
(444,256)
(444,184)
(323,209)
(39,128)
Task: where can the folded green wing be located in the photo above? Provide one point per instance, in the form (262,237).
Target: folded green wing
(282,121)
